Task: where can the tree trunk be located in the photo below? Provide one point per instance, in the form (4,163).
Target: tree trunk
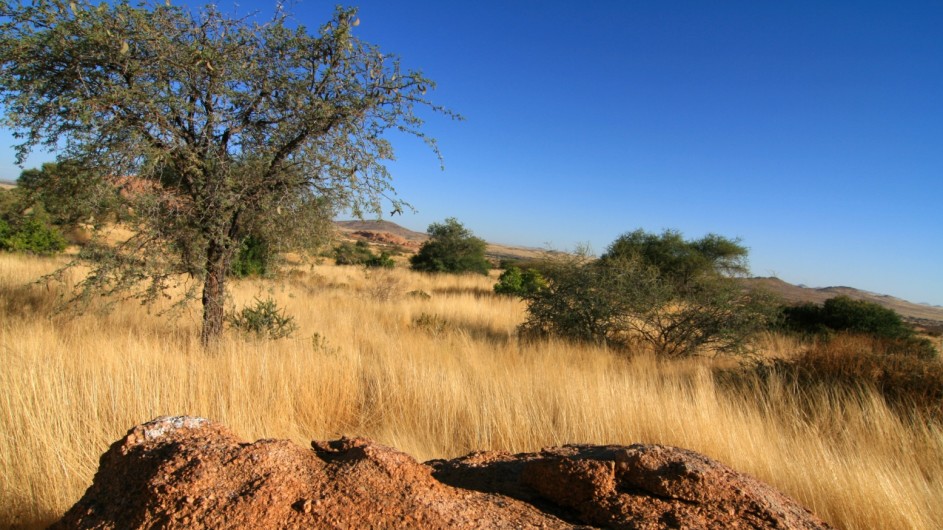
(214,293)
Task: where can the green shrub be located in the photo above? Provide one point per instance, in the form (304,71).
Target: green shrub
(253,258)
(451,248)
(844,314)
(264,319)
(517,282)
(352,253)
(31,234)
(383,261)
(859,316)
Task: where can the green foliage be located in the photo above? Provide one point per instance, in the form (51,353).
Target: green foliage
(517,282)
(70,194)
(581,302)
(381,261)
(451,248)
(263,319)
(678,261)
(28,232)
(359,253)
(843,313)
(220,128)
(657,290)
(352,253)
(253,258)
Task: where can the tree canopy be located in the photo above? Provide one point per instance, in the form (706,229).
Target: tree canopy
(680,260)
(674,295)
(69,194)
(213,127)
(451,248)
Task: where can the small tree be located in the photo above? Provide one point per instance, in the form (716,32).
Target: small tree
(661,290)
(519,282)
(451,248)
(215,126)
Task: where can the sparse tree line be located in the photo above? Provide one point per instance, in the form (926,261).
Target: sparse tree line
(678,297)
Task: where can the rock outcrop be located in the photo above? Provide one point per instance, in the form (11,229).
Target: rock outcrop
(184,472)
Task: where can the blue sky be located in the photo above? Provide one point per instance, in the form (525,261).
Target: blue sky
(812,130)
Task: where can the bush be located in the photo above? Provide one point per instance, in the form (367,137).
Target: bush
(264,319)
(383,261)
(31,234)
(432,324)
(517,282)
(451,248)
(581,302)
(253,258)
(69,193)
(627,298)
(844,314)
(359,253)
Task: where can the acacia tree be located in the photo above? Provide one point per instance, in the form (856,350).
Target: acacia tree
(211,125)
(677,296)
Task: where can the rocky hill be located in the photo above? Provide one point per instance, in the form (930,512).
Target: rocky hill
(386,232)
(185,472)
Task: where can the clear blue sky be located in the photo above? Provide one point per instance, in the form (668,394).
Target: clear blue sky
(812,130)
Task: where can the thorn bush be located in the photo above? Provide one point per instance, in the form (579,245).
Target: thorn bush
(264,319)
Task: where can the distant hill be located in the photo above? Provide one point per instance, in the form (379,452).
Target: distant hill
(493,251)
(380,226)
(917,313)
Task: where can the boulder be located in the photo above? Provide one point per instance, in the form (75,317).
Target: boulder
(630,487)
(186,472)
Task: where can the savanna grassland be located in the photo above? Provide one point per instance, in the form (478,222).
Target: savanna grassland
(435,376)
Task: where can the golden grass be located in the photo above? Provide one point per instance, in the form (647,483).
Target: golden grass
(361,365)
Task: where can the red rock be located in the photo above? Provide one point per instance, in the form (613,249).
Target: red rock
(634,487)
(185,472)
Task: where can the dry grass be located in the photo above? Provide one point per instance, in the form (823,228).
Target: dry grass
(365,361)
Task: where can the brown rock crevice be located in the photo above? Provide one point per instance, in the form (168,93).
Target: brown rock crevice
(183,472)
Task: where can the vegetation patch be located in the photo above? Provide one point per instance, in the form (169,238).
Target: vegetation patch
(451,248)
(263,319)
